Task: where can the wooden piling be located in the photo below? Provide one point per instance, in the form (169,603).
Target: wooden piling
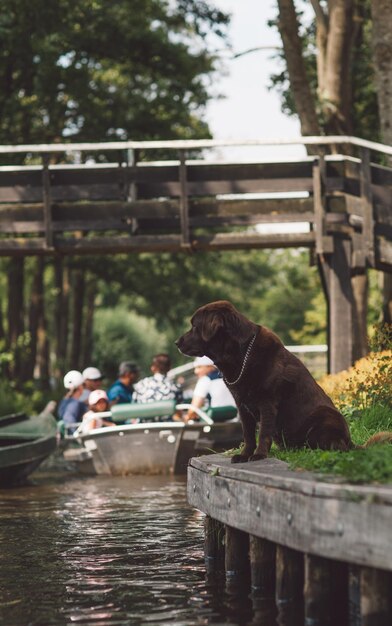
(289,585)
(237,554)
(333,554)
(214,545)
(376,589)
(354,596)
(325,591)
(262,564)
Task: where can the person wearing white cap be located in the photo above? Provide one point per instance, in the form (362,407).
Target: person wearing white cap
(92,379)
(98,402)
(210,388)
(71,409)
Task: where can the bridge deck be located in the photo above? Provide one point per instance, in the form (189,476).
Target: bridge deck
(195,205)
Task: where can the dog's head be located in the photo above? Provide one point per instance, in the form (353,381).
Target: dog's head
(213,327)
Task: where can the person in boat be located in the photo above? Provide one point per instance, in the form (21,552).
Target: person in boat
(159,386)
(71,409)
(210,389)
(98,402)
(92,379)
(121,391)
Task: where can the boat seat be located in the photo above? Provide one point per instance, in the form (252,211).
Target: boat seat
(144,410)
(149,410)
(222,413)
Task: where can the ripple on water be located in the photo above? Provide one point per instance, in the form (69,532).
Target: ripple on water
(105,551)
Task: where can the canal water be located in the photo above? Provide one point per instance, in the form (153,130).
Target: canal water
(108,551)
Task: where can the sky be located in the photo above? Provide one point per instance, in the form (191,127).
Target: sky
(250,110)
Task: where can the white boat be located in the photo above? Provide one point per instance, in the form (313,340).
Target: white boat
(152,447)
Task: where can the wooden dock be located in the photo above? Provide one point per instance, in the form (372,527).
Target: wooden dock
(322,550)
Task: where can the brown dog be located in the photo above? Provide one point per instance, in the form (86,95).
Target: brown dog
(269,384)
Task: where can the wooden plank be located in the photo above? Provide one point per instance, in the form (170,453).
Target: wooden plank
(329,527)
(19,246)
(274,473)
(237,241)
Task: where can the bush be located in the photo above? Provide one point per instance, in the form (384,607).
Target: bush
(29,399)
(369,381)
(120,335)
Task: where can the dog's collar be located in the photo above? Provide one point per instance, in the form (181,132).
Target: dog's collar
(234,382)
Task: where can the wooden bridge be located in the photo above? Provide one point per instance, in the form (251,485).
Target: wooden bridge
(188,204)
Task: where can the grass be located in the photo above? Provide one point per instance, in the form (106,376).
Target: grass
(373,464)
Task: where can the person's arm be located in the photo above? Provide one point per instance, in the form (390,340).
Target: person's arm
(198,402)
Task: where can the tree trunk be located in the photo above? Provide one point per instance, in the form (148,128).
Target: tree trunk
(78,288)
(36,297)
(292,45)
(61,315)
(382,55)
(43,352)
(91,292)
(15,313)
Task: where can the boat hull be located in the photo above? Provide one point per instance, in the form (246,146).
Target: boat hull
(25,441)
(19,458)
(152,448)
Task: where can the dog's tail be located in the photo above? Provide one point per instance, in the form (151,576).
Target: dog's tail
(381,437)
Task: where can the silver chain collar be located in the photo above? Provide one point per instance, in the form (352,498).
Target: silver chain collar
(234,382)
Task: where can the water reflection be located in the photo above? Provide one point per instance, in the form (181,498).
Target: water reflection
(115,551)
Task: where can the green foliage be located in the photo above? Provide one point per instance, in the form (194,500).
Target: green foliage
(357,466)
(106,70)
(30,399)
(123,336)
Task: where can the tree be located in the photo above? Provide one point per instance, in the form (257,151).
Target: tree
(328,80)
(382,52)
(138,69)
(330,77)
(135,69)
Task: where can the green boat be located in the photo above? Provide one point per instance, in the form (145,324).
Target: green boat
(25,442)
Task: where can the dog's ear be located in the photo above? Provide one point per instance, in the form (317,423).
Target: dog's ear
(238,327)
(211,323)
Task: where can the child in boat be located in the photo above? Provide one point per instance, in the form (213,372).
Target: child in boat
(98,402)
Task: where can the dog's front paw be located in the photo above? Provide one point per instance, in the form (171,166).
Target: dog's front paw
(239,458)
(257,457)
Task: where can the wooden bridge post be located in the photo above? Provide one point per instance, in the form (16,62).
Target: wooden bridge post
(184,204)
(341,306)
(47,201)
(214,547)
(289,585)
(325,591)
